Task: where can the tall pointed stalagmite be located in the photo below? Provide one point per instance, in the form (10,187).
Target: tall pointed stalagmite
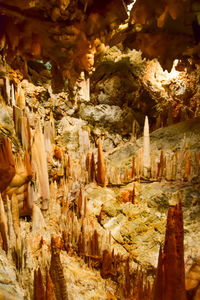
(170,279)
(101,172)
(39,291)
(146,149)
(39,159)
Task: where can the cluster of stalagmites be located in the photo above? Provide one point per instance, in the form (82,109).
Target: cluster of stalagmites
(33,177)
(156,165)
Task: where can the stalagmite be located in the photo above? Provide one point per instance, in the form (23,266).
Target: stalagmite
(170,279)
(39,291)
(88,167)
(17,115)
(134,136)
(101,175)
(49,134)
(56,270)
(25,133)
(13,95)
(133,167)
(127,280)
(40,164)
(49,287)
(93,172)
(7,85)
(139,162)
(146,150)
(21,102)
(85,207)
(38,223)
(106,270)
(3,226)
(80,204)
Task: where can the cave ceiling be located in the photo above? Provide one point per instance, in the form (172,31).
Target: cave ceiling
(70,34)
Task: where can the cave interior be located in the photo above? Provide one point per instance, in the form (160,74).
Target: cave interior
(99,150)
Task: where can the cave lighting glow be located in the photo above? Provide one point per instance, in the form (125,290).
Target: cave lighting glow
(131,5)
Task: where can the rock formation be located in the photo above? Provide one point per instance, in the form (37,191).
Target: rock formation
(84,197)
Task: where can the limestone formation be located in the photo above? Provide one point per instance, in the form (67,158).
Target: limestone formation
(7,164)
(40,166)
(146,149)
(101,172)
(83,195)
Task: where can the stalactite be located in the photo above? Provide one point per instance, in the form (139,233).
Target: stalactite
(101,175)
(56,270)
(146,151)
(3,226)
(40,164)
